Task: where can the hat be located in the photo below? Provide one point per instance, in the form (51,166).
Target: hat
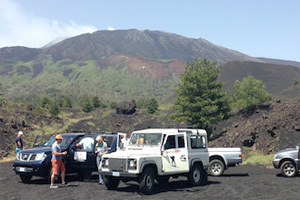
(20,133)
(58,137)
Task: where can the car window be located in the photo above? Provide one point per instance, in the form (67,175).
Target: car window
(109,140)
(181,142)
(198,142)
(67,139)
(170,143)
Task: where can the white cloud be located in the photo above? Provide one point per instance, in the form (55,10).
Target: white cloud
(111,28)
(20,28)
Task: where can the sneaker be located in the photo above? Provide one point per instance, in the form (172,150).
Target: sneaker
(53,186)
(65,184)
(100,183)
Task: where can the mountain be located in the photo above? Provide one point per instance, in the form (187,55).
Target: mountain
(279,79)
(145,44)
(121,65)
(280,62)
(53,42)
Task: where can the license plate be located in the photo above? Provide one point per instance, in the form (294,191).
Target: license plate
(116,173)
(22,169)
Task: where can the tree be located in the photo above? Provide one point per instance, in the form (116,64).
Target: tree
(113,104)
(96,101)
(249,93)
(86,104)
(53,109)
(152,106)
(200,100)
(67,102)
(296,81)
(45,101)
(141,103)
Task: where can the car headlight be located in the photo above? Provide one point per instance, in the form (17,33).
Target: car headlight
(40,156)
(18,156)
(105,162)
(132,164)
(275,156)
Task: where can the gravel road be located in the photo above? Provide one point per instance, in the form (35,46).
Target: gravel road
(241,182)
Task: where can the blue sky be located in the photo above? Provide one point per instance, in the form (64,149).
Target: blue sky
(259,28)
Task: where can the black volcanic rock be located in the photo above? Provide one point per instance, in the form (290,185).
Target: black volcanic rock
(126,108)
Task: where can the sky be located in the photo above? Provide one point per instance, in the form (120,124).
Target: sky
(258,28)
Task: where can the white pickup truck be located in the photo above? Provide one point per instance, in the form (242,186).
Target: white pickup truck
(222,158)
(158,154)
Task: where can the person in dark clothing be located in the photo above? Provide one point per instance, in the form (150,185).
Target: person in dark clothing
(19,142)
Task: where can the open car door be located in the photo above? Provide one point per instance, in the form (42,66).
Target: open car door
(38,141)
(175,153)
(122,141)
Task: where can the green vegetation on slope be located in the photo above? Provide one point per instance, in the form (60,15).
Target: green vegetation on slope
(33,80)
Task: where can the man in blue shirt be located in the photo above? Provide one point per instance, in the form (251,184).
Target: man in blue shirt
(19,142)
(57,163)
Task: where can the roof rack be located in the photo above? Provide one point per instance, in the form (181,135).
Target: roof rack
(177,127)
(102,132)
(80,131)
(174,126)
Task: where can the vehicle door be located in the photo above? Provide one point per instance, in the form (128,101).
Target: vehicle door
(198,148)
(38,141)
(122,141)
(111,141)
(82,153)
(175,154)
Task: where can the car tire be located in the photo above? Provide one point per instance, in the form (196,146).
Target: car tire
(25,178)
(288,169)
(111,183)
(197,176)
(146,181)
(216,167)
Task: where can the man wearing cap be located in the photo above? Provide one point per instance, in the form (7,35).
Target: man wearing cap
(57,163)
(19,142)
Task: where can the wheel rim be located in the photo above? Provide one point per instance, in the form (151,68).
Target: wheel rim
(196,175)
(289,169)
(149,182)
(216,168)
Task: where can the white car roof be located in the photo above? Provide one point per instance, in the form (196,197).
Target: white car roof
(171,130)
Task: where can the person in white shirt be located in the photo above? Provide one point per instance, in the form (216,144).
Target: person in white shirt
(100,150)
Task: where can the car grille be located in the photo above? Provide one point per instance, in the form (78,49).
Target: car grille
(117,165)
(27,156)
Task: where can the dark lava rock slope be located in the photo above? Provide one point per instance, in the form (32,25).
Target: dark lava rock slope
(268,128)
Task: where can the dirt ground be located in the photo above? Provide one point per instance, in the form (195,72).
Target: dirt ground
(241,182)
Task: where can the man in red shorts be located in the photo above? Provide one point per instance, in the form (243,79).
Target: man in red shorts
(57,164)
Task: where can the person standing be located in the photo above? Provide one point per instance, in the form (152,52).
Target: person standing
(100,150)
(19,142)
(57,163)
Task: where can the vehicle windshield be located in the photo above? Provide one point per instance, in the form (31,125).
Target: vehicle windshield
(67,139)
(143,139)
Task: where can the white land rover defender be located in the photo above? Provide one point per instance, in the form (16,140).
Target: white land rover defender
(158,154)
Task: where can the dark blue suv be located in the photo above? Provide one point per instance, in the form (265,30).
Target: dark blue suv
(37,161)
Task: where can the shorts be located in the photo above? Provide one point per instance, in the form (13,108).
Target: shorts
(57,166)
